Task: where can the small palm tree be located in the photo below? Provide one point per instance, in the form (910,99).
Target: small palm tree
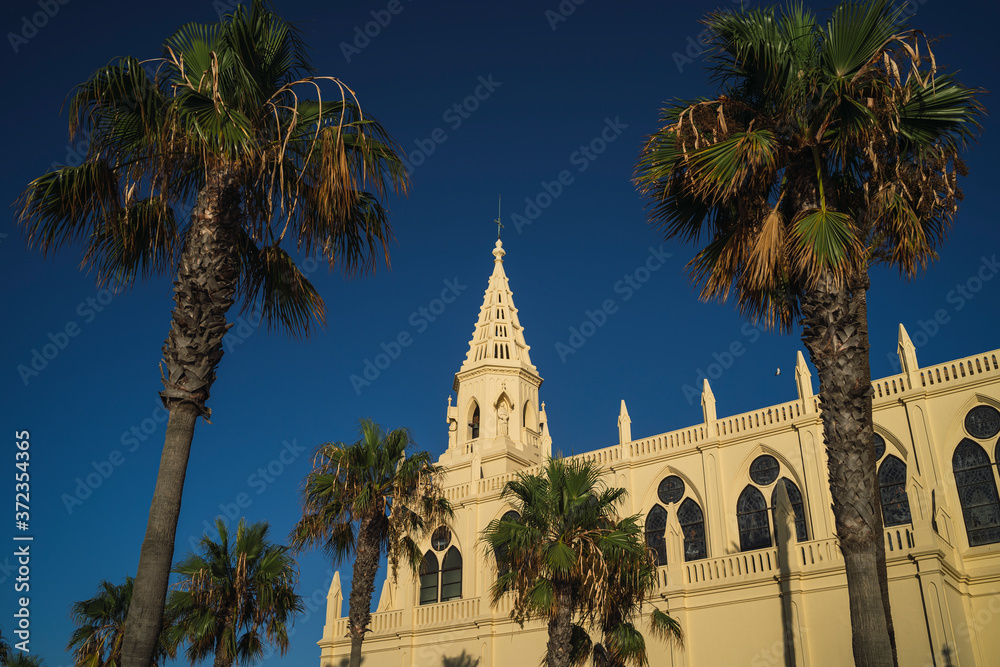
(205,165)
(235,596)
(100,621)
(567,554)
(19,659)
(4,649)
(831,147)
(368,498)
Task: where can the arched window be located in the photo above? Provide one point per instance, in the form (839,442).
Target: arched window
(451,575)
(656,528)
(692,522)
(429,579)
(474,422)
(892,490)
(798,507)
(527,416)
(977,491)
(751,517)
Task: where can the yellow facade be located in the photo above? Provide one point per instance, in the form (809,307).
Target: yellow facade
(783,604)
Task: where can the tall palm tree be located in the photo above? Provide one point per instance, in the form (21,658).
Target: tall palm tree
(830,148)
(367,498)
(220,121)
(100,621)
(235,596)
(568,555)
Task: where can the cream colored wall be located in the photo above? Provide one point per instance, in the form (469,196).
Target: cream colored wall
(734,606)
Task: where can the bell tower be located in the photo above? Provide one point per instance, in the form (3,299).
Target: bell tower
(496,424)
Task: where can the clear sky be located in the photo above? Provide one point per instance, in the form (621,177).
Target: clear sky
(486,98)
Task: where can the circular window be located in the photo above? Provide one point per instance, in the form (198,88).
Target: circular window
(764,469)
(441,538)
(879,446)
(671,489)
(983,421)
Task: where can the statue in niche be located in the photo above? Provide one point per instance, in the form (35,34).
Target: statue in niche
(503,417)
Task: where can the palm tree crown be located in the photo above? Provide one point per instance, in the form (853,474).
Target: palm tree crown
(237,595)
(368,498)
(100,621)
(830,146)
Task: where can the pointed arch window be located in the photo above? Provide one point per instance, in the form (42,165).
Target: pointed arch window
(451,575)
(798,507)
(751,517)
(892,492)
(429,579)
(977,491)
(656,529)
(474,422)
(692,521)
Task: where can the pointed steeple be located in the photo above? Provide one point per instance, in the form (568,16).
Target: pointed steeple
(803,381)
(907,351)
(624,425)
(334,602)
(498,338)
(498,426)
(707,403)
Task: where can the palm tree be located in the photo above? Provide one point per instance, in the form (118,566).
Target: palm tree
(221,120)
(568,554)
(100,621)
(4,650)
(235,596)
(830,148)
(20,659)
(369,498)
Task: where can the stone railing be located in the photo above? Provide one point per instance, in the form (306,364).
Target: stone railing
(446,612)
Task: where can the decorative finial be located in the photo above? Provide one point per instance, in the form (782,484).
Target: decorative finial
(499,224)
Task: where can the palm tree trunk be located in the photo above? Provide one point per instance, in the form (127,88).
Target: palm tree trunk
(860,294)
(836,337)
(362,586)
(203,293)
(561,626)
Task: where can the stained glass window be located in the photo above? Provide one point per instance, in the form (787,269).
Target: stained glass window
(751,517)
(879,446)
(764,469)
(798,507)
(451,575)
(671,489)
(656,528)
(429,579)
(983,421)
(441,538)
(692,522)
(892,489)
(977,491)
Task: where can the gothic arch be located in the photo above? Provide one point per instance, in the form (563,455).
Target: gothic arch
(893,445)
(528,414)
(742,476)
(691,489)
(473,421)
(504,409)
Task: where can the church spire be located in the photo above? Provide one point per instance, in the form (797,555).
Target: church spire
(496,425)
(498,338)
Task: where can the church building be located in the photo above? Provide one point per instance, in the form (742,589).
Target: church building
(737,511)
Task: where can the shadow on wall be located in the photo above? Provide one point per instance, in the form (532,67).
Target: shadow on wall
(463,660)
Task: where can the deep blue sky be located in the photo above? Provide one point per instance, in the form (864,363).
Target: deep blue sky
(554,91)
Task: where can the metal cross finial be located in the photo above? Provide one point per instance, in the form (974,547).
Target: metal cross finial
(499,224)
